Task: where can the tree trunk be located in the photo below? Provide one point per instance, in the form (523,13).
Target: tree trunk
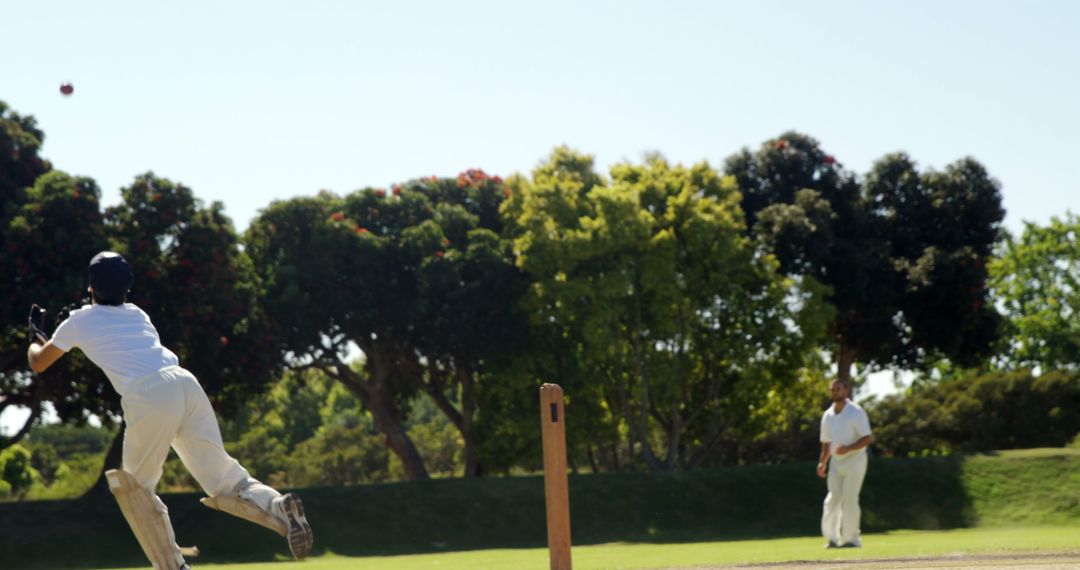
(844,359)
(642,374)
(434,388)
(468,412)
(591,457)
(642,423)
(374,394)
(35,412)
(674,437)
(401,444)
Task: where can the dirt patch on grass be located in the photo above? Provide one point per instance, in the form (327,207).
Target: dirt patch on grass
(1019,560)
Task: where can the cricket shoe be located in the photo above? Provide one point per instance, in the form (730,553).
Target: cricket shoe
(291,510)
(853,544)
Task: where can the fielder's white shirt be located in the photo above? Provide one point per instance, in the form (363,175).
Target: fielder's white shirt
(121,340)
(844,428)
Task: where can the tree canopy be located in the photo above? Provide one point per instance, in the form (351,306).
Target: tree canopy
(689,312)
(902,252)
(1036,278)
(653,305)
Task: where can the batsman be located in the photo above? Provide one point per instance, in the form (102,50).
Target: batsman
(164,406)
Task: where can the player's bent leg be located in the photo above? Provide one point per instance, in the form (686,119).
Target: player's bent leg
(199,445)
(149,520)
(239,506)
(284,514)
(229,485)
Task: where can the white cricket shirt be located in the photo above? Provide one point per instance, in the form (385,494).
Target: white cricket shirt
(844,428)
(121,340)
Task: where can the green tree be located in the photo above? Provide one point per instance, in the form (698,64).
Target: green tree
(54,228)
(416,278)
(47,221)
(677,320)
(15,470)
(902,252)
(290,412)
(340,455)
(197,285)
(981,412)
(198,288)
(69,440)
(330,282)
(468,325)
(21,220)
(1036,278)
(20,163)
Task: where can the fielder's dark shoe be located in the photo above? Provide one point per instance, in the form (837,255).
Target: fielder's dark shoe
(301,539)
(831,544)
(855,544)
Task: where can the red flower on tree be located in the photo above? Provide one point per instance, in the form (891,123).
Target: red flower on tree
(829,159)
(337,216)
(439,253)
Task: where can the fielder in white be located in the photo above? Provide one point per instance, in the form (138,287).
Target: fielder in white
(164,406)
(845,433)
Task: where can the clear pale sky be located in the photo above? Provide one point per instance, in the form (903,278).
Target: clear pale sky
(246,102)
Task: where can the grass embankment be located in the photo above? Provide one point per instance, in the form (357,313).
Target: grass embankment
(1012,488)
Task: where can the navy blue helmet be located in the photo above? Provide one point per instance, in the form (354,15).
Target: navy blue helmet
(111,277)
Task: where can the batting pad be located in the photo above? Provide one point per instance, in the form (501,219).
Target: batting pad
(148,518)
(238,507)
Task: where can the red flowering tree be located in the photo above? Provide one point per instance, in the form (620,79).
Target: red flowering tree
(196,284)
(404,275)
(54,229)
(50,224)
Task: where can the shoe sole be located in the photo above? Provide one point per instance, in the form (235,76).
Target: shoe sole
(301,539)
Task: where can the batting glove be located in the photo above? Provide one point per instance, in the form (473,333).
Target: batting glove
(37,325)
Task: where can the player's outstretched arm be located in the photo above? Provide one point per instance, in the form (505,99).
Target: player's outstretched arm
(41,357)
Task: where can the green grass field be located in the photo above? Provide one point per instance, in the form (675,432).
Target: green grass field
(899,544)
(620,520)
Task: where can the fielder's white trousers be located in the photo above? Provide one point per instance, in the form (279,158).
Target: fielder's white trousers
(840,519)
(170,409)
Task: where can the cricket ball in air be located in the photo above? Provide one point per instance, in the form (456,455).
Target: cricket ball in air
(66,88)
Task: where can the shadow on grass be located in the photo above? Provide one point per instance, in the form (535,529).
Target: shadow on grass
(453,515)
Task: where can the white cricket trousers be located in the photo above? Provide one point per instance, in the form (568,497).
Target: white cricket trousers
(170,409)
(840,519)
